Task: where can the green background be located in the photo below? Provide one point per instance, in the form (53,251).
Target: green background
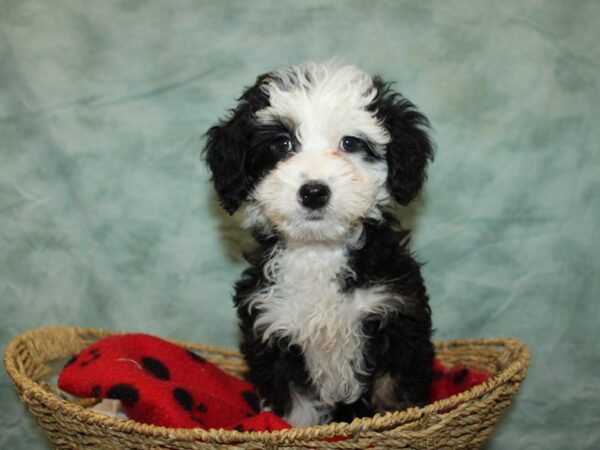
(107,219)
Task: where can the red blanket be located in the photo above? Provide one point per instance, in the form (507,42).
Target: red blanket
(161,383)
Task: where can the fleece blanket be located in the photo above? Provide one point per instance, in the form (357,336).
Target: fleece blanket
(161,383)
(107,218)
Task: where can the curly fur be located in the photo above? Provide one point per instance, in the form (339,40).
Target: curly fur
(333,310)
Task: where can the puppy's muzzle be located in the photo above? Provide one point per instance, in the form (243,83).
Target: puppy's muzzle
(314,195)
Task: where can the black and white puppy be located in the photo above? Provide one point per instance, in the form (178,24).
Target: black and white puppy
(334,313)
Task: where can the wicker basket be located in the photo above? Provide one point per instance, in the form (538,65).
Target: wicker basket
(462,421)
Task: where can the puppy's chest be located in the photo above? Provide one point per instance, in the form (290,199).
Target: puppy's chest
(306,305)
(305,299)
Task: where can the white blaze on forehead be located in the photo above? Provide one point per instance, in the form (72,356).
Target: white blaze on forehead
(324,102)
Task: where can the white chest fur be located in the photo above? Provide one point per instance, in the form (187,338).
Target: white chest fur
(306,305)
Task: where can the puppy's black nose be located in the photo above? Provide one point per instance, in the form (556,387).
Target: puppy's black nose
(314,195)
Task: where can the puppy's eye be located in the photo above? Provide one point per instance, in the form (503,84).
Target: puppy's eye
(349,143)
(282,144)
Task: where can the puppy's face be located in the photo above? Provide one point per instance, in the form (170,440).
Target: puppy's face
(314,149)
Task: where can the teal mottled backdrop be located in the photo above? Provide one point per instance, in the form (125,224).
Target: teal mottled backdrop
(107,219)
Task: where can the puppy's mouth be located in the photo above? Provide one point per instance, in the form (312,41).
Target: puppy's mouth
(315,216)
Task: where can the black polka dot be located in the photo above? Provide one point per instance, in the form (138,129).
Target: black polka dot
(460,376)
(196,357)
(127,393)
(438,375)
(201,407)
(96,390)
(252,400)
(239,428)
(184,398)
(155,368)
(71,361)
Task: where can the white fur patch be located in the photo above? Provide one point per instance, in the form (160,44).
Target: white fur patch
(325,102)
(305,305)
(305,411)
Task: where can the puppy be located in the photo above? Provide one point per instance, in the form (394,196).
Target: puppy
(333,311)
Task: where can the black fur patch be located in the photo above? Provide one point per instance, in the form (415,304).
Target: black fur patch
(235,165)
(252,400)
(127,393)
(155,368)
(410,148)
(346,413)
(384,258)
(184,398)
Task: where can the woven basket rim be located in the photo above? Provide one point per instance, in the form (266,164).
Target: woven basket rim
(377,423)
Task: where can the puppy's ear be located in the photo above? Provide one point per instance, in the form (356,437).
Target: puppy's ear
(226,150)
(409,149)
(224,154)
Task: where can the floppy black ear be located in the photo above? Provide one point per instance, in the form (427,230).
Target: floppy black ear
(410,148)
(227,145)
(224,154)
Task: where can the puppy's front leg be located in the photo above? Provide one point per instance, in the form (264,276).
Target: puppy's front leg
(278,371)
(405,377)
(306,410)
